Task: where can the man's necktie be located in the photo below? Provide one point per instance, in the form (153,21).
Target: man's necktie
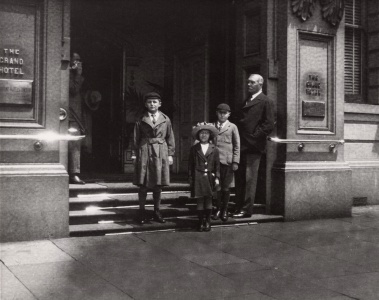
(154,120)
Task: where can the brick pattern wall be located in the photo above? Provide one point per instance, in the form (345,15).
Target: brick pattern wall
(373,51)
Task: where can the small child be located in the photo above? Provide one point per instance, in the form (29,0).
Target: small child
(204,172)
(228,143)
(152,153)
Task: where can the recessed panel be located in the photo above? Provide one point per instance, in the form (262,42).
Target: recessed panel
(20,101)
(252,32)
(315,84)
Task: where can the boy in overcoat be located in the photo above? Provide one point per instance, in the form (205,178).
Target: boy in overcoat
(228,143)
(153,148)
(204,172)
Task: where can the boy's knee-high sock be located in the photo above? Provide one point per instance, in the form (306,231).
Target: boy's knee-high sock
(157,199)
(225,201)
(157,202)
(142,194)
(218,200)
(225,196)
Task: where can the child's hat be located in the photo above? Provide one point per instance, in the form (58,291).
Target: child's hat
(223,106)
(204,126)
(151,95)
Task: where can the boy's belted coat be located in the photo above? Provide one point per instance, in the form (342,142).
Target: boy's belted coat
(152,146)
(203,169)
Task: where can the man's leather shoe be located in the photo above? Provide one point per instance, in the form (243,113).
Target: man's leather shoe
(74,179)
(242,214)
(225,215)
(216,215)
(158,217)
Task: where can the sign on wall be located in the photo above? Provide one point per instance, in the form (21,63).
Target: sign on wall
(13,88)
(21,99)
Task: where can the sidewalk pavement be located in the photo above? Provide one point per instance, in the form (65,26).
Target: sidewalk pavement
(335,259)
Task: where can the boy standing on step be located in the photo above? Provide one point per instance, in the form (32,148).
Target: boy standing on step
(228,144)
(153,148)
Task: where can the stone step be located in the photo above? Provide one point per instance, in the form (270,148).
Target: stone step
(124,199)
(131,212)
(116,188)
(126,213)
(100,208)
(172,224)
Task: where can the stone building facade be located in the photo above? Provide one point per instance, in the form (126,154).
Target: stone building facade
(320,63)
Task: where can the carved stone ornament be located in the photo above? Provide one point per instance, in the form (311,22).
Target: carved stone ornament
(332,10)
(303,8)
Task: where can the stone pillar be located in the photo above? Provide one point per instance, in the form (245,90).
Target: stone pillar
(33,182)
(310,178)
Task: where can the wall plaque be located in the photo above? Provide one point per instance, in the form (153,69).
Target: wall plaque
(313,109)
(16,91)
(22,56)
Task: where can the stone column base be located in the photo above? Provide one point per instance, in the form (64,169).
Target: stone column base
(33,202)
(311,190)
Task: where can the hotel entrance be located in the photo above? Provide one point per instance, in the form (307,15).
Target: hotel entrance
(131,47)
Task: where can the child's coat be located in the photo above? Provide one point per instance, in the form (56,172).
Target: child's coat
(152,146)
(203,169)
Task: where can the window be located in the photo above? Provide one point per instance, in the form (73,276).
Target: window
(355,47)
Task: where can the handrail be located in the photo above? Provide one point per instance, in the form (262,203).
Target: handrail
(295,141)
(301,143)
(42,137)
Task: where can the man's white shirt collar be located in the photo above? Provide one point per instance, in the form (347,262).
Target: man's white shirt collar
(255,95)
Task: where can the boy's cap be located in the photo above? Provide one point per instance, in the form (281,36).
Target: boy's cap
(151,95)
(223,106)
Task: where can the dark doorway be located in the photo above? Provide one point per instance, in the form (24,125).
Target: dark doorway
(130,47)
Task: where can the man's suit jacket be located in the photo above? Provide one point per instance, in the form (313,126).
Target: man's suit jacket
(228,143)
(255,121)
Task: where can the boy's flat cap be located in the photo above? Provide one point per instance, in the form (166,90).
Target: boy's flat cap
(223,106)
(152,95)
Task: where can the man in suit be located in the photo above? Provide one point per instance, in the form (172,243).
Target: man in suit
(255,122)
(75,120)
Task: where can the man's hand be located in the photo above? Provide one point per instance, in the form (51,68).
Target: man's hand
(234,166)
(217,182)
(170,160)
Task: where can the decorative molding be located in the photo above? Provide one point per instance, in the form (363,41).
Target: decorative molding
(303,9)
(332,10)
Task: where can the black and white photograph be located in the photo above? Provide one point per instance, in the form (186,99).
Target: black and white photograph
(189,149)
